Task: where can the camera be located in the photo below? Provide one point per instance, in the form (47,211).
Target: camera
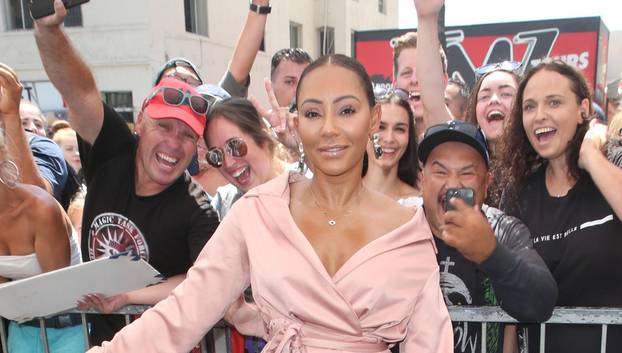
(466,194)
(42,8)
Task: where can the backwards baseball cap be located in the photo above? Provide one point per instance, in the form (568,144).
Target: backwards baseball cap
(174,99)
(453,131)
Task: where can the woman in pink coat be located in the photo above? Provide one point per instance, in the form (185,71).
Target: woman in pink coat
(334,266)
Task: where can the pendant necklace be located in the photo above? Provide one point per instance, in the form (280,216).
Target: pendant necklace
(332,221)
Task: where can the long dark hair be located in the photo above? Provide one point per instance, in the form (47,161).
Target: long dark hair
(519,160)
(408,165)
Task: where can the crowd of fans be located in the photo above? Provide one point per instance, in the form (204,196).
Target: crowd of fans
(326,221)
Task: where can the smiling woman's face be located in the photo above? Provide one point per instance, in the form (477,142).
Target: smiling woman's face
(335,120)
(494,103)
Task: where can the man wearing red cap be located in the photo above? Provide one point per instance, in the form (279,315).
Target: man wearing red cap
(140,199)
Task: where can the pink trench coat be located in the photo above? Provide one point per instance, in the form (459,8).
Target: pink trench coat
(386,292)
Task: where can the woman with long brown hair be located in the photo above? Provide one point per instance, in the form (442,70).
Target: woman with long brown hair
(562,186)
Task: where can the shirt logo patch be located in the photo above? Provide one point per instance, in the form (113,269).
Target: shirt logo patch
(112,233)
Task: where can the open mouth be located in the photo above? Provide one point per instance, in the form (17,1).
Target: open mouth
(241,175)
(544,133)
(441,200)
(495,115)
(167,160)
(415,96)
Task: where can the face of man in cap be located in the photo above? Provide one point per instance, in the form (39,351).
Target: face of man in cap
(451,165)
(167,141)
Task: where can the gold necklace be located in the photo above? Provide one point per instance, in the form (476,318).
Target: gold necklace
(332,221)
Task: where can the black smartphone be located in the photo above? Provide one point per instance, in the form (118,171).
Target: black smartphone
(466,194)
(42,8)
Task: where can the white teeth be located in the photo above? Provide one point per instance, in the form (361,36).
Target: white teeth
(495,114)
(166,158)
(544,130)
(388,150)
(238,173)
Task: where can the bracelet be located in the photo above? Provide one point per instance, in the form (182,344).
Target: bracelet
(260,9)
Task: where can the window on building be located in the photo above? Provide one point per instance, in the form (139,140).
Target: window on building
(18,15)
(327,40)
(121,101)
(382,6)
(295,35)
(195,12)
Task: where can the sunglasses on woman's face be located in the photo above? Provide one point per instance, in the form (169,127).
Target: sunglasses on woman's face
(177,97)
(235,147)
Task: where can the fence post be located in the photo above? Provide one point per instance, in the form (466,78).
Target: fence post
(44,335)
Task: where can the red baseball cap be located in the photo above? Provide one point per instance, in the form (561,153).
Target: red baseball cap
(160,109)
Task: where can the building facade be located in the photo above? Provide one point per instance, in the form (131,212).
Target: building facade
(126,42)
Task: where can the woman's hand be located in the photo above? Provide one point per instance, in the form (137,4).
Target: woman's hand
(102,303)
(10,91)
(593,142)
(426,8)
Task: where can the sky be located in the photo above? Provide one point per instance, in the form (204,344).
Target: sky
(467,12)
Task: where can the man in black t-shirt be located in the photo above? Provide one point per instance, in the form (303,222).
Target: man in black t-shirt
(140,199)
(485,256)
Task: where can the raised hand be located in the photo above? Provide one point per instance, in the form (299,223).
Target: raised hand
(55,19)
(428,7)
(593,142)
(467,230)
(10,91)
(280,118)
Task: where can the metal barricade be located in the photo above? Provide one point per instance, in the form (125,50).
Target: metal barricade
(483,315)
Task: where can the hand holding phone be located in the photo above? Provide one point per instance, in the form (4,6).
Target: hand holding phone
(466,194)
(43,8)
(468,231)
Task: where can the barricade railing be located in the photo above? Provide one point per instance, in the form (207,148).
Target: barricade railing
(483,315)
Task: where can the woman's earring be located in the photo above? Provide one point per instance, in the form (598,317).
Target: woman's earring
(301,157)
(9,173)
(377,148)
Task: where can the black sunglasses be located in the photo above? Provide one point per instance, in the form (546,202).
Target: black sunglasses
(177,97)
(235,147)
(510,66)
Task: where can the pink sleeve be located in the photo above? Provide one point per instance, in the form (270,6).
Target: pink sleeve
(177,324)
(246,318)
(429,329)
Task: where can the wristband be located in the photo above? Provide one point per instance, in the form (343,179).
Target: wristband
(260,9)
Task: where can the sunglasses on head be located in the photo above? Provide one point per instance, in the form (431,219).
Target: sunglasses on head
(176,97)
(385,93)
(235,147)
(510,66)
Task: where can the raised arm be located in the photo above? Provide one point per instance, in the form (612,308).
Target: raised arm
(17,142)
(430,74)
(248,44)
(69,74)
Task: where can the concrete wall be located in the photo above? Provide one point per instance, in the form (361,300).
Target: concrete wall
(126,42)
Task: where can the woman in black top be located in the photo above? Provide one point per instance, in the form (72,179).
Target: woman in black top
(562,186)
